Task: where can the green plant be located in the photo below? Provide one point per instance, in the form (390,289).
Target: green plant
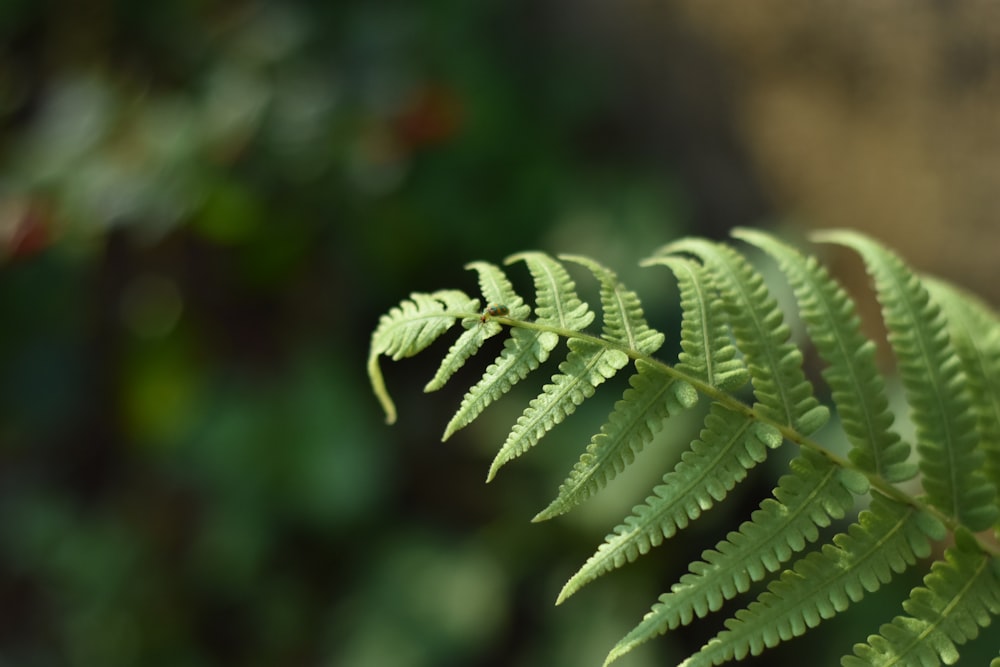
(947,350)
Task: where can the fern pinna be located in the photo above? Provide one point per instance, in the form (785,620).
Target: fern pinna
(947,350)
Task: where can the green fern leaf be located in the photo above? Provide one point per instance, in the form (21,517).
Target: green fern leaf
(975,332)
(556,302)
(935,385)
(651,399)
(708,354)
(730,444)
(888,538)
(858,389)
(775,365)
(468,344)
(588,364)
(816,492)
(525,350)
(496,288)
(962,593)
(408,329)
(522,353)
(586,367)
(624,322)
(947,346)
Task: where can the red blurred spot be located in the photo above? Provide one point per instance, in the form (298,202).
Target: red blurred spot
(431,116)
(25,227)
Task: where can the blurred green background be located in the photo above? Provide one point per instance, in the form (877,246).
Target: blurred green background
(204,207)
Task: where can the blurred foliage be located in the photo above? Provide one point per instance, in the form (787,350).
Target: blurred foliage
(203,207)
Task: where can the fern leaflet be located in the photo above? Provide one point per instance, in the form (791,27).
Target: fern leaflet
(775,365)
(644,407)
(708,353)
(586,366)
(496,289)
(522,353)
(816,492)
(730,445)
(624,321)
(887,539)
(857,388)
(410,328)
(651,399)
(960,594)
(941,405)
(980,355)
(556,302)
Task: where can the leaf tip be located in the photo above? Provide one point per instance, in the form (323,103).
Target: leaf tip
(379,388)
(618,651)
(813,420)
(450,429)
(545,514)
(520,256)
(571,586)
(686,395)
(768,435)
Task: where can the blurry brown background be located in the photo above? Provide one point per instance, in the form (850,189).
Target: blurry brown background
(883,117)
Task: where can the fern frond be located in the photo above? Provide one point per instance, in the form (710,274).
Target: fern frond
(857,388)
(408,329)
(959,596)
(650,400)
(975,332)
(496,288)
(708,353)
(815,492)
(947,346)
(586,367)
(556,302)
(775,365)
(624,321)
(887,539)
(730,444)
(935,386)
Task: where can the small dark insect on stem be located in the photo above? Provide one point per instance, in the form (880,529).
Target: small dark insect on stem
(493,310)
